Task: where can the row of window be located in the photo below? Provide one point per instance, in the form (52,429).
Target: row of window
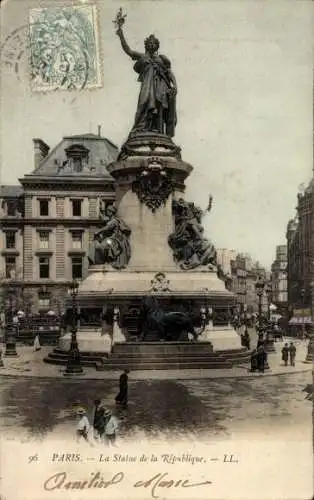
(44,267)
(44,206)
(43,236)
(76,208)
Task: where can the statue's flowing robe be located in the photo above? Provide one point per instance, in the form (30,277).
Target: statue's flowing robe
(154,95)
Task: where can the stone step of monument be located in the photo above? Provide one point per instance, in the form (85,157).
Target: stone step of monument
(170,358)
(161,355)
(165,365)
(65,355)
(232,351)
(88,359)
(162,347)
(84,354)
(87,363)
(155,356)
(236,356)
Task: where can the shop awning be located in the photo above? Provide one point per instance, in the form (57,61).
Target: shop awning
(300,320)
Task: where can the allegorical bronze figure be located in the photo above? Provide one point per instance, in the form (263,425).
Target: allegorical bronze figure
(156,109)
(111,244)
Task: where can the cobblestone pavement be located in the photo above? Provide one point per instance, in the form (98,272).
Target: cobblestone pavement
(41,408)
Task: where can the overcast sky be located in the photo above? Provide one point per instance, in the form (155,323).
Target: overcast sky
(244,72)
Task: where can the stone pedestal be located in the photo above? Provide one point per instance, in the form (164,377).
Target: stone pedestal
(88,341)
(150,175)
(222,338)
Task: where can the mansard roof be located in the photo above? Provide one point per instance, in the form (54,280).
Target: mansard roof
(100,152)
(10,191)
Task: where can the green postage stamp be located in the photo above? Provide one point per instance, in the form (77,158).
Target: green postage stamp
(64,51)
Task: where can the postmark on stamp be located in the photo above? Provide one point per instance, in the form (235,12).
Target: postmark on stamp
(14,49)
(64,50)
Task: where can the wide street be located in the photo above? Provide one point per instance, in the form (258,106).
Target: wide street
(220,408)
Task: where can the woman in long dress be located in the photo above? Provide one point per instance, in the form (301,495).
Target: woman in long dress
(37,345)
(156,109)
(122,397)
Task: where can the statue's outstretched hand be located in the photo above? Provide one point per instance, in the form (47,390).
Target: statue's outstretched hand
(119,21)
(210,202)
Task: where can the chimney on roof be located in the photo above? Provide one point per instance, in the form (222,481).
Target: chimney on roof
(41,150)
(99,130)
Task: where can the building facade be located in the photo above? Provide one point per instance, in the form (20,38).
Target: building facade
(299,259)
(245,273)
(48,222)
(224,258)
(279,279)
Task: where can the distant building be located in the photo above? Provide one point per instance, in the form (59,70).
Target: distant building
(47,223)
(245,273)
(279,278)
(299,259)
(224,258)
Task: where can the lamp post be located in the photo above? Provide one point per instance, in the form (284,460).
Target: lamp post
(302,295)
(259,287)
(310,348)
(74,366)
(269,295)
(10,341)
(270,344)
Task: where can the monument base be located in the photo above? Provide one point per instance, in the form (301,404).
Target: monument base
(222,339)
(221,352)
(217,347)
(104,283)
(88,341)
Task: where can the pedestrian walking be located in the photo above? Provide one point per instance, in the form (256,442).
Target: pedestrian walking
(246,339)
(122,397)
(37,345)
(292,354)
(285,354)
(83,425)
(111,428)
(99,420)
(260,341)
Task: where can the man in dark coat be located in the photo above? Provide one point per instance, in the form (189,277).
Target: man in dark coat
(122,397)
(261,359)
(254,364)
(292,353)
(285,354)
(260,341)
(99,420)
(246,339)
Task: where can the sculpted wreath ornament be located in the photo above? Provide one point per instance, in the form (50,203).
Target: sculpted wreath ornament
(153,187)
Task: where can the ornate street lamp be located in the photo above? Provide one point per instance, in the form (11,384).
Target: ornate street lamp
(310,348)
(270,343)
(259,287)
(269,295)
(74,366)
(10,341)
